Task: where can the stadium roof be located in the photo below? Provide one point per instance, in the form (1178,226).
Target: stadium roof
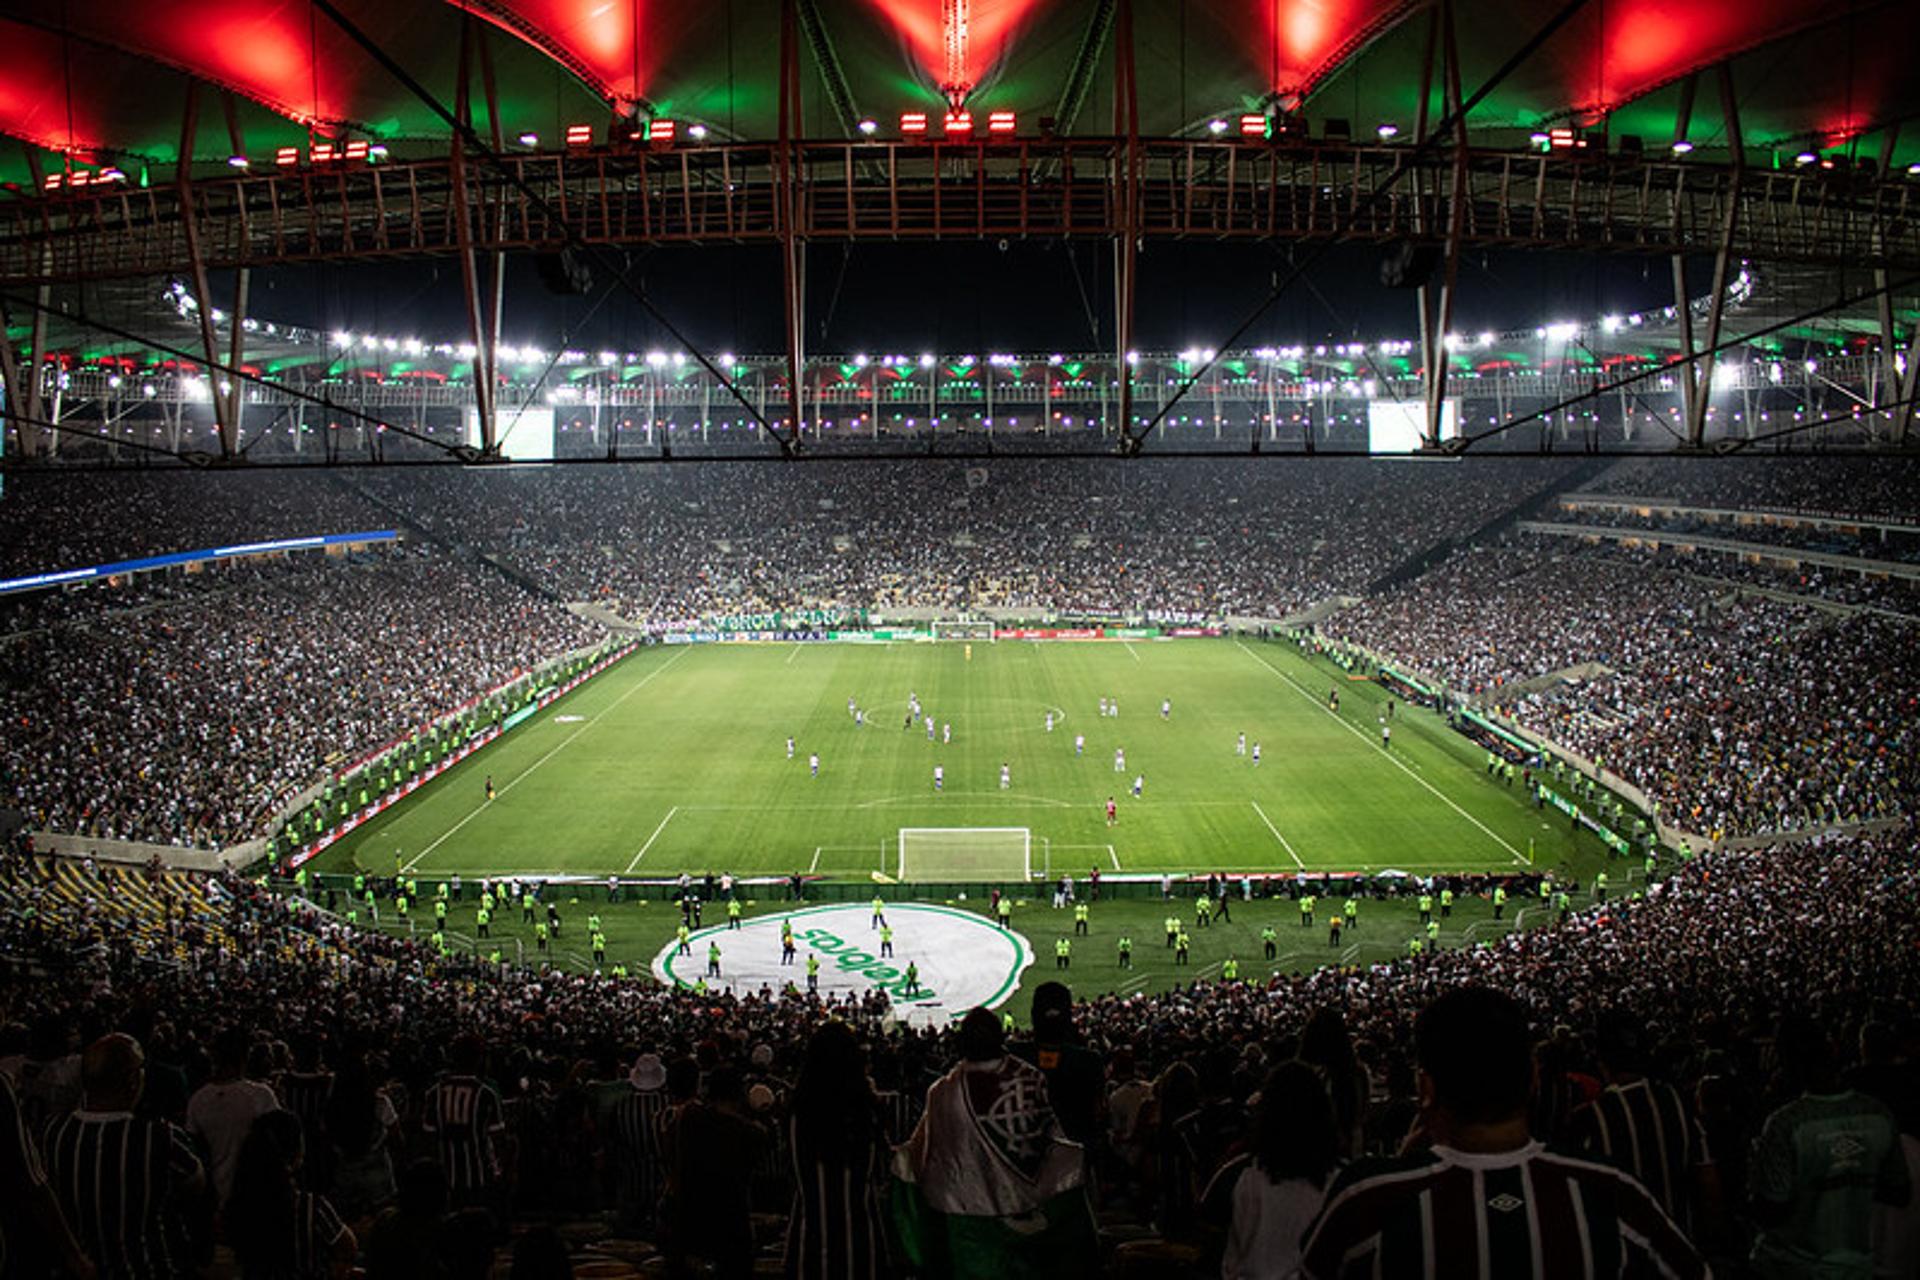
(106,80)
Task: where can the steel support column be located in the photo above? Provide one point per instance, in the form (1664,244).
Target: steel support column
(827,61)
(1126,248)
(197,264)
(22,384)
(1086,61)
(1722,264)
(1436,312)
(1898,384)
(483,334)
(1901,384)
(792,252)
(236,356)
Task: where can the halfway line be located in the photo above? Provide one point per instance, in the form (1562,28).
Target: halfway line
(550,755)
(1276,834)
(1304,692)
(655,836)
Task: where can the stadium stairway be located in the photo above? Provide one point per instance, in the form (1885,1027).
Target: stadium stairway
(1526,507)
(113,895)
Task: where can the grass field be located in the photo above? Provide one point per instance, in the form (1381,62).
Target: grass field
(676,760)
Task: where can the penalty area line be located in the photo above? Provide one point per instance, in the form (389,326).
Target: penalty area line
(656,835)
(1445,799)
(1114,856)
(1276,834)
(565,742)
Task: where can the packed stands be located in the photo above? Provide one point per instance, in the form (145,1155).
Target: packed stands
(1742,980)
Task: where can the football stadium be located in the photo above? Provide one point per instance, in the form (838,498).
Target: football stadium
(933,639)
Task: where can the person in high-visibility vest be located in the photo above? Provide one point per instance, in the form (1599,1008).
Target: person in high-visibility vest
(1062,953)
(1426,907)
(1230,970)
(1306,911)
(911,986)
(481,919)
(1499,901)
(540,936)
(1181,946)
(1269,942)
(1413,948)
(1126,952)
(1006,913)
(813,971)
(879,912)
(1080,925)
(681,935)
(713,959)
(1446,903)
(1433,935)
(733,913)
(886,941)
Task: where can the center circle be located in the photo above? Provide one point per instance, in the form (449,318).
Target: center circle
(963,960)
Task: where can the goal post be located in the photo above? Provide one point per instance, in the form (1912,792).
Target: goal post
(972,630)
(965,854)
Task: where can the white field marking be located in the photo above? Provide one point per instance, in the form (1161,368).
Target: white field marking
(930,797)
(1114,856)
(1132,983)
(796,653)
(1276,834)
(1442,796)
(564,742)
(1130,649)
(650,839)
(815,864)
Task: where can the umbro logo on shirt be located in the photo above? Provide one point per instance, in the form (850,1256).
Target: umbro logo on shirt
(1505,1202)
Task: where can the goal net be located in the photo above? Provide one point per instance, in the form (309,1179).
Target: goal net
(982,631)
(966,853)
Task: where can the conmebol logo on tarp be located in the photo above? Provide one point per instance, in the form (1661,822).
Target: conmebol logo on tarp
(962,959)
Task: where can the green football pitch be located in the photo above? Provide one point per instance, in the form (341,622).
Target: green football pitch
(676,760)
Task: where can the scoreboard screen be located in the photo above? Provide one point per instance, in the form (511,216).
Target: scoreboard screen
(526,434)
(1395,426)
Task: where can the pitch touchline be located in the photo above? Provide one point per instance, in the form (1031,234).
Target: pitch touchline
(516,780)
(655,836)
(1444,799)
(1276,834)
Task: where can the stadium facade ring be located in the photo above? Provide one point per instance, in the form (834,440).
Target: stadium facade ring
(963,959)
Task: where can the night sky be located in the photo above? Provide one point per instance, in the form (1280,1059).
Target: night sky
(965,297)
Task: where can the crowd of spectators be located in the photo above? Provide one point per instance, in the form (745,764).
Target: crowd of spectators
(1737,713)
(1819,484)
(324,1091)
(192,721)
(1890,542)
(1064,535)
(226,669)
(54,521)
